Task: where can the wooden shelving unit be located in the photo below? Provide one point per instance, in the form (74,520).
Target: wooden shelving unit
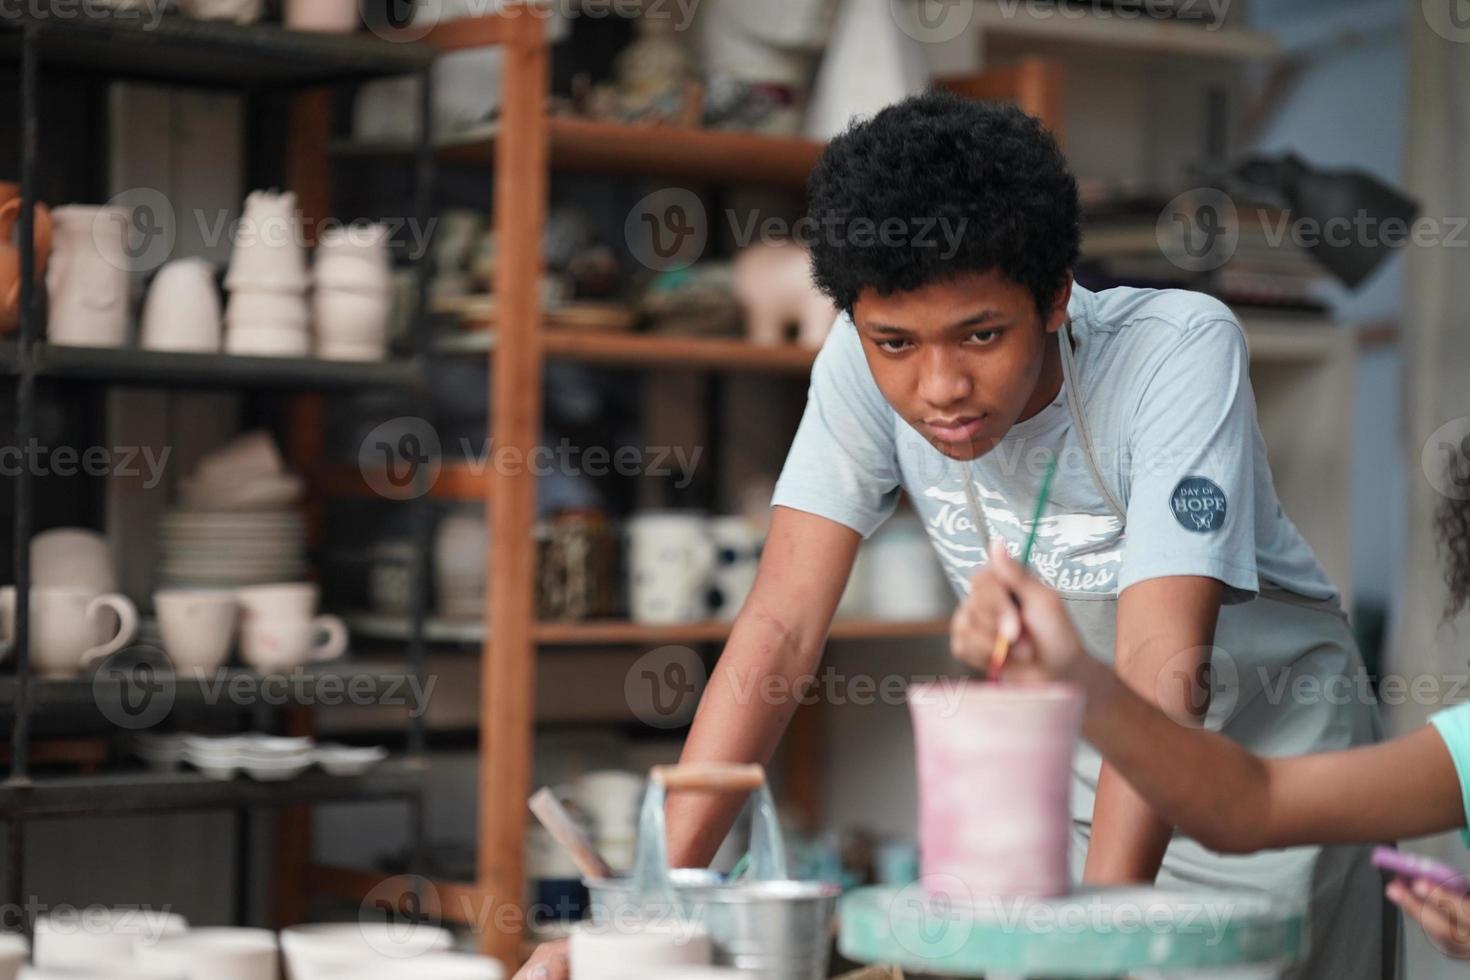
(595,146)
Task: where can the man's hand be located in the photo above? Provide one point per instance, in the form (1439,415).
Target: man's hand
(551,961)
(1443,914)
(1005,600)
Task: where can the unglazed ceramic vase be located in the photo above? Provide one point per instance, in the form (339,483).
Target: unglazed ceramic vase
(87,279)
(995,777)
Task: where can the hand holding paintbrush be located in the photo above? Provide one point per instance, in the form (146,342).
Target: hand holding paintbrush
(978,616)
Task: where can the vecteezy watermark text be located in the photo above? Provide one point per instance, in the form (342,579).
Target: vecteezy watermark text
(129,462)
(403,458)
(670,228)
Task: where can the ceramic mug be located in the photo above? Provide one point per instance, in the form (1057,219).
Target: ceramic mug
(234,11)
(100,939)
(181,312)
(738,543)
(326,16)
(266,340)
(604,951)
(87,279)
(14,951)
(281,644)
(906,581)
(213,954)
(72,557)
(198,627)
(671,559)
(353,315)
(10,251)
(997,756)
(269,251)
(353,257)
(264,306)
(311,951)
(69,629)
(278,600)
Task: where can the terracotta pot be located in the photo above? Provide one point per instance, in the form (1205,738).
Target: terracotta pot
(10,251)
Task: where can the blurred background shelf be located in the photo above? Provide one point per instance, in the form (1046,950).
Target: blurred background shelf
(383,626)
(144,792)
(163,369)
(1114,34)
(147,45)
(227,689)
(620,631)
(598,146)
(638,350)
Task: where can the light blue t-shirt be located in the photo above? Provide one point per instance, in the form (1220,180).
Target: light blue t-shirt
(1162,379)
(1453,725)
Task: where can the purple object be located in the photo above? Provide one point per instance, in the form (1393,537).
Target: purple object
(1413,866)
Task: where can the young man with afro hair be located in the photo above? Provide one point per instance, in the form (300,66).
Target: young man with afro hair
(965,360)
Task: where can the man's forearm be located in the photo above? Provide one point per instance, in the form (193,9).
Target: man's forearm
(1128,839)
(1164,634)
(750,700)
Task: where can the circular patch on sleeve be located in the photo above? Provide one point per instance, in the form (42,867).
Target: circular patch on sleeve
(1199,505)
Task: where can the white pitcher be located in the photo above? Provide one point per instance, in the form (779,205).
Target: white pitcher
(87,277)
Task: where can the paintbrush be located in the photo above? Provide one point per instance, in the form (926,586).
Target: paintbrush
(564,831)
(1002,644)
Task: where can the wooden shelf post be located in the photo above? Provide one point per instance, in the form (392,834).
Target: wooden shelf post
(507,698)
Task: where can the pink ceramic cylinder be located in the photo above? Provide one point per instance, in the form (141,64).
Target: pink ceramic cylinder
(995,777)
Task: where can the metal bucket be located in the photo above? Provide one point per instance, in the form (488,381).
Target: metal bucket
(775,928)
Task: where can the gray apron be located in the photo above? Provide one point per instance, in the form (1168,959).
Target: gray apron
(1286,679)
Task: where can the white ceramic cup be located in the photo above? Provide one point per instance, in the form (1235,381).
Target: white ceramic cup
(339,350)
(906,580)
(327,16)
(198,627)
(249,454)
(311,951)
(87,276)
(352,315)
(14,951)
(269,251)
(182,312)
(353,257)
(430,966)
(267,308)
(71,629)
(671,558)
(72,557)
(616,951)
(213,954)
(278,600)
(738,543)
(281,644)
(266,340)
(234,11)
(100,939)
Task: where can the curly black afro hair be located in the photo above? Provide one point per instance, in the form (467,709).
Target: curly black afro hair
(1453,524)
(937,161)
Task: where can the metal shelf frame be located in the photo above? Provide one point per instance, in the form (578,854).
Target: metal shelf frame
(119,44)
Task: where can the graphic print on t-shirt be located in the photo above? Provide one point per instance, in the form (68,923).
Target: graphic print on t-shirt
(1074,552)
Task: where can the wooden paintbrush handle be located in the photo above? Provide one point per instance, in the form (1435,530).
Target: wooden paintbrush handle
(712,777)
(564,830)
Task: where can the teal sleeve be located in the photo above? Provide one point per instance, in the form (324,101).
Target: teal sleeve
(1453,725)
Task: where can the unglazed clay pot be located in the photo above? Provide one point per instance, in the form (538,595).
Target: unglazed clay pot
(10,251)
(87,280)
(995,777)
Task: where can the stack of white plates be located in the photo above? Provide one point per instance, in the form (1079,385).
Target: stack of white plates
(227,549)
